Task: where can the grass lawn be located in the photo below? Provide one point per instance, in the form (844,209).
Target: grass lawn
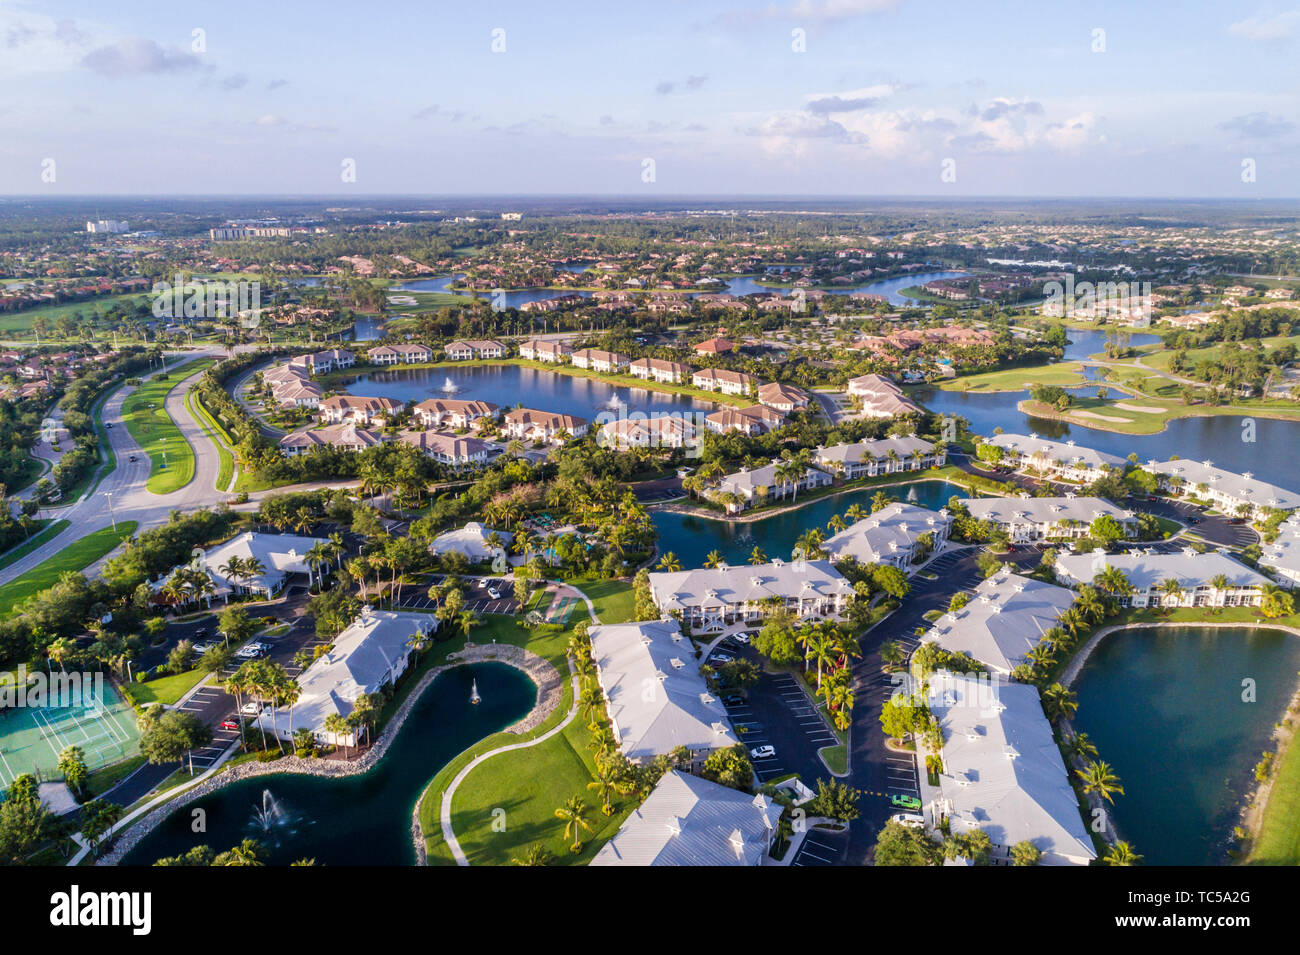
(75,557)
(217,436)
(836,758)
(102,780)
(22,321)
(1278,842)
(1065,374)
(165,690)
(49,530)
(145,416)
(529,784)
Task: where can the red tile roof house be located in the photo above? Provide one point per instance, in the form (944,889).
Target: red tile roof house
(346,437)
(535,425)
(469,350)
(357,409)
(656,369)
(454,412)
(540,350)
(784,398)
(598,360)
(723,380)
(448,448)
(297,394)
(714,346)
(748,421)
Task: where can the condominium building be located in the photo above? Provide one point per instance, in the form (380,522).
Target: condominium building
(1026,519)
(531,425)
(724,381)
(538,349)
(893,535)
(880,456)
(1064,459)
(1184,579)
(656,369)
(763,484)
(711,599)
(598,360)
(358,409)
(451,449)
(475,349)
(454,413)
(344,437)
(406,354)
(880,397)
(1238,494)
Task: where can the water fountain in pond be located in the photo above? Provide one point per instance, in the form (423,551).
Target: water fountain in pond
(269,814)
(473,693)
(614,403)
(449,387)
(911,495)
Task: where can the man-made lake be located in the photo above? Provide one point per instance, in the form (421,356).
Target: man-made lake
(514,298)
(1164,707)
(748,285)
(510,385)
(692,538)
(1085,342)
(1218,438)
(353,820)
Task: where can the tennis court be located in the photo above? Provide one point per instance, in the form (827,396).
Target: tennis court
(560,611)
(96,719)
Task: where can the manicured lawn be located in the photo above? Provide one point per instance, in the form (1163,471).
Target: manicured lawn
(217,436)
(75,557)
(165,690)
(836,757)
(1278,842)
(22,321)
(529,784)
(48,531)
(145,416)
(102,780)
(1064,374)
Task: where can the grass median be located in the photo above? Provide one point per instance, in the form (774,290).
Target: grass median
(144,413)
(75,557)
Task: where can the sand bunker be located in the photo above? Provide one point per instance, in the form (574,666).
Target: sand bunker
(1142,409)
(1102,417)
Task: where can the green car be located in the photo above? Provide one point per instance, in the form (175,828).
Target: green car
(906,802)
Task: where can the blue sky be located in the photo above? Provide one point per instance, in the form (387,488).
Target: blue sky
(278,94)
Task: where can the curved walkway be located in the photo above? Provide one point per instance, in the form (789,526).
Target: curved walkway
(444,810)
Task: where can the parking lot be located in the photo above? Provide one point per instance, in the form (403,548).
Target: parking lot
(777,712)
(477,599)
(821,847)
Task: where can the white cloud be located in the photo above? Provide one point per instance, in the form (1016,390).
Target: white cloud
(1266,28)
(136,55)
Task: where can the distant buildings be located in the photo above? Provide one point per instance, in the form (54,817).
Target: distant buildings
(892,536)
(1230,492)
(1027,519)
(110,226)
(880,397)
(711,599)
(714,346)
(1152,577)
(687,820)
(657,699)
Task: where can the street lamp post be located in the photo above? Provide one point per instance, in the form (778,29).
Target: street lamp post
(111,515)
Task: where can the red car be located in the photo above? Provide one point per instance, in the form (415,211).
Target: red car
(230,723)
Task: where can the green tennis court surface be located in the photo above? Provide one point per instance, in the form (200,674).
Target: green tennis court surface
(560,611)
(97,720)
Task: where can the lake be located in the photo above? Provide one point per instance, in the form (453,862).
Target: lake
(514,298)
(1164,707)
(748,285)
(692,538)
(354,820)
(1218,438)
(510,385)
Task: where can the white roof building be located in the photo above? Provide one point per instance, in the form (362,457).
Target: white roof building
(1147,573)
(657,698)
(890,535)
(1033,518)
(1062,456)
(1002,771)
(1282,556)
(711,599)
(369,655)
(472,541)
(1003,621)
(874,456)
(279,554)
(692,821)
(1225,488)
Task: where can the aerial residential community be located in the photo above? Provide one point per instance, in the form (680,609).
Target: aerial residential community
(773,505)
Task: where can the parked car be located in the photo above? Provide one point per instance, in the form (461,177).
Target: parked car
(733,699)
(906,802)
(1236,520)
(108,424)
(134,458)
(494,593)
(482,583)
(721,658)
(768,752)
(230,723)
(251,708)
(740,637)
(202,648)
(909,819)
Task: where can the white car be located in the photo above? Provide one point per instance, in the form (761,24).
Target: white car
(251,709)
(909,819)
(494,593)
(740,637)
(482,584)
(762,752)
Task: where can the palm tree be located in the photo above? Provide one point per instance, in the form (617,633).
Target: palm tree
(880,500)
(1121,853)
(592,702)
(336,724)
(317,557)
(836,524)
(1080,746)
(855,513)
(1100,778)
(809,544)
(669,562)
(1171,588)
(536,854)
(574,814)
(892,654)
(1060,702)
(604,782)
(756,556)
(713,560)
(1220,584)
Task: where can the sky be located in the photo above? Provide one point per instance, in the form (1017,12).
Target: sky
(669,98)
